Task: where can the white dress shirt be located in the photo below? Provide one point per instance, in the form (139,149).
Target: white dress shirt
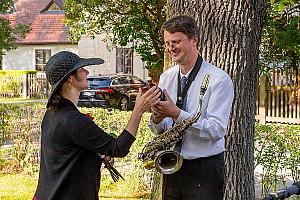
(206,136)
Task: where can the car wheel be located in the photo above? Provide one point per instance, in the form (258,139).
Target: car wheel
(124,103)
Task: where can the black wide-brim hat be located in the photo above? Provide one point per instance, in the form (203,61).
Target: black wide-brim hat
(62,64)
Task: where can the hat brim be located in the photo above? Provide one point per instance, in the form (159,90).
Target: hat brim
(81,63)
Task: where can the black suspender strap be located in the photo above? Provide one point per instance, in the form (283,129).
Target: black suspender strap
(191,78)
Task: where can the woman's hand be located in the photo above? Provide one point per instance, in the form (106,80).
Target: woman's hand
(109,159)
(144,101)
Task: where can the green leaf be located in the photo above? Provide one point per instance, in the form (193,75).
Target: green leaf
(281,6)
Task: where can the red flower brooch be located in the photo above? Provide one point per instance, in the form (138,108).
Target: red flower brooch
(89,116)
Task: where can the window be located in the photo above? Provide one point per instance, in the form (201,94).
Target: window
(54,7)
(41,58)
(95,83)
(115,82)
(137,80)
(124,60)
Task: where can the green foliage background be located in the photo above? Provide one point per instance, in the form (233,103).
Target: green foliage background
(277,150)
(281,38)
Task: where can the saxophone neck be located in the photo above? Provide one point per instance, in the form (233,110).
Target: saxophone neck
(196,116)
(203,89)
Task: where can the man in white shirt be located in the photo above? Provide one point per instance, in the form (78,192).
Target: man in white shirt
(202,148)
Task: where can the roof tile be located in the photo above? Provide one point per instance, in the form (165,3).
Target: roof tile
(27,9)
(47,28)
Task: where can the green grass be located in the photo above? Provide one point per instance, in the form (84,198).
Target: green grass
(22,187)
(17,187)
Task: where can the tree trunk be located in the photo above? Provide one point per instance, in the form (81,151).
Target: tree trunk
(230,33)
(155,73)
(156,186)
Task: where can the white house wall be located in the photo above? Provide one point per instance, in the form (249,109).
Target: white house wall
(88,47)
(23,58)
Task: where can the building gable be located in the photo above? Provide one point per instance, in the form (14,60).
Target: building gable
(54,6)
(26,10)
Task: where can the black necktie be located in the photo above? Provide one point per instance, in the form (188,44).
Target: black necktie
(183,83)
(179,142)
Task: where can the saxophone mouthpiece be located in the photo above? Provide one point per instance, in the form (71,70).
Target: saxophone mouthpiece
(204,84)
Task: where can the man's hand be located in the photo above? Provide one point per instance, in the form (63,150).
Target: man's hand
(165,109)
(144,101)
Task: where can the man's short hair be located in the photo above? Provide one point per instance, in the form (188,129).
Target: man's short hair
(182,23)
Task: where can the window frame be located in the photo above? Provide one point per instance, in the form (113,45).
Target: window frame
(44,58)
(122,60)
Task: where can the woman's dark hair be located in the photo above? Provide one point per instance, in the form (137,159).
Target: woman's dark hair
(57,98)
(182,23)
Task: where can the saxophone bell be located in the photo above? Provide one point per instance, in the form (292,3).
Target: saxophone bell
(165,162)
(168,162)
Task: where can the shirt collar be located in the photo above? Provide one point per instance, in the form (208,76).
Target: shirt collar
(187,74)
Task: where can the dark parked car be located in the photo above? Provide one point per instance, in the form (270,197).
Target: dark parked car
(112,91)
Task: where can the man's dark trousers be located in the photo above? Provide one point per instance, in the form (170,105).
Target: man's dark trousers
(198,179)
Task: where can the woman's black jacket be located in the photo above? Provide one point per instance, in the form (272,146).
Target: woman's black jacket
(70,144)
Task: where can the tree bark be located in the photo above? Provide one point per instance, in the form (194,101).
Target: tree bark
(230,33)
(156,186)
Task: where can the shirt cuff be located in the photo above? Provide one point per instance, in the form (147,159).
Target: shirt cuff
(126,139)
(183,115)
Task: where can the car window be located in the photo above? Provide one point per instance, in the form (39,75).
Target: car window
(115,81)
(98,82)
(124,80)
(136,80)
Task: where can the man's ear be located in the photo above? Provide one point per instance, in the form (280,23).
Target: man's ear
(195,40)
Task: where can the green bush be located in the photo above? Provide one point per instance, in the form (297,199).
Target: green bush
(11,88)
(277,150)
(2,161)
(16,72)
(113,122)
(21,124)
(11,82)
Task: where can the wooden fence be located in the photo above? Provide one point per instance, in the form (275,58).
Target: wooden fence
(274,94)
(25,86)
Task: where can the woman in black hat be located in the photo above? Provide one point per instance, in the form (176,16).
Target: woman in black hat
(71,141)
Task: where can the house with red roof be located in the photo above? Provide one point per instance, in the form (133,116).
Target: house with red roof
(49,35)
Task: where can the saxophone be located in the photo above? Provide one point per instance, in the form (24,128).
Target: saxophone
(155,153)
